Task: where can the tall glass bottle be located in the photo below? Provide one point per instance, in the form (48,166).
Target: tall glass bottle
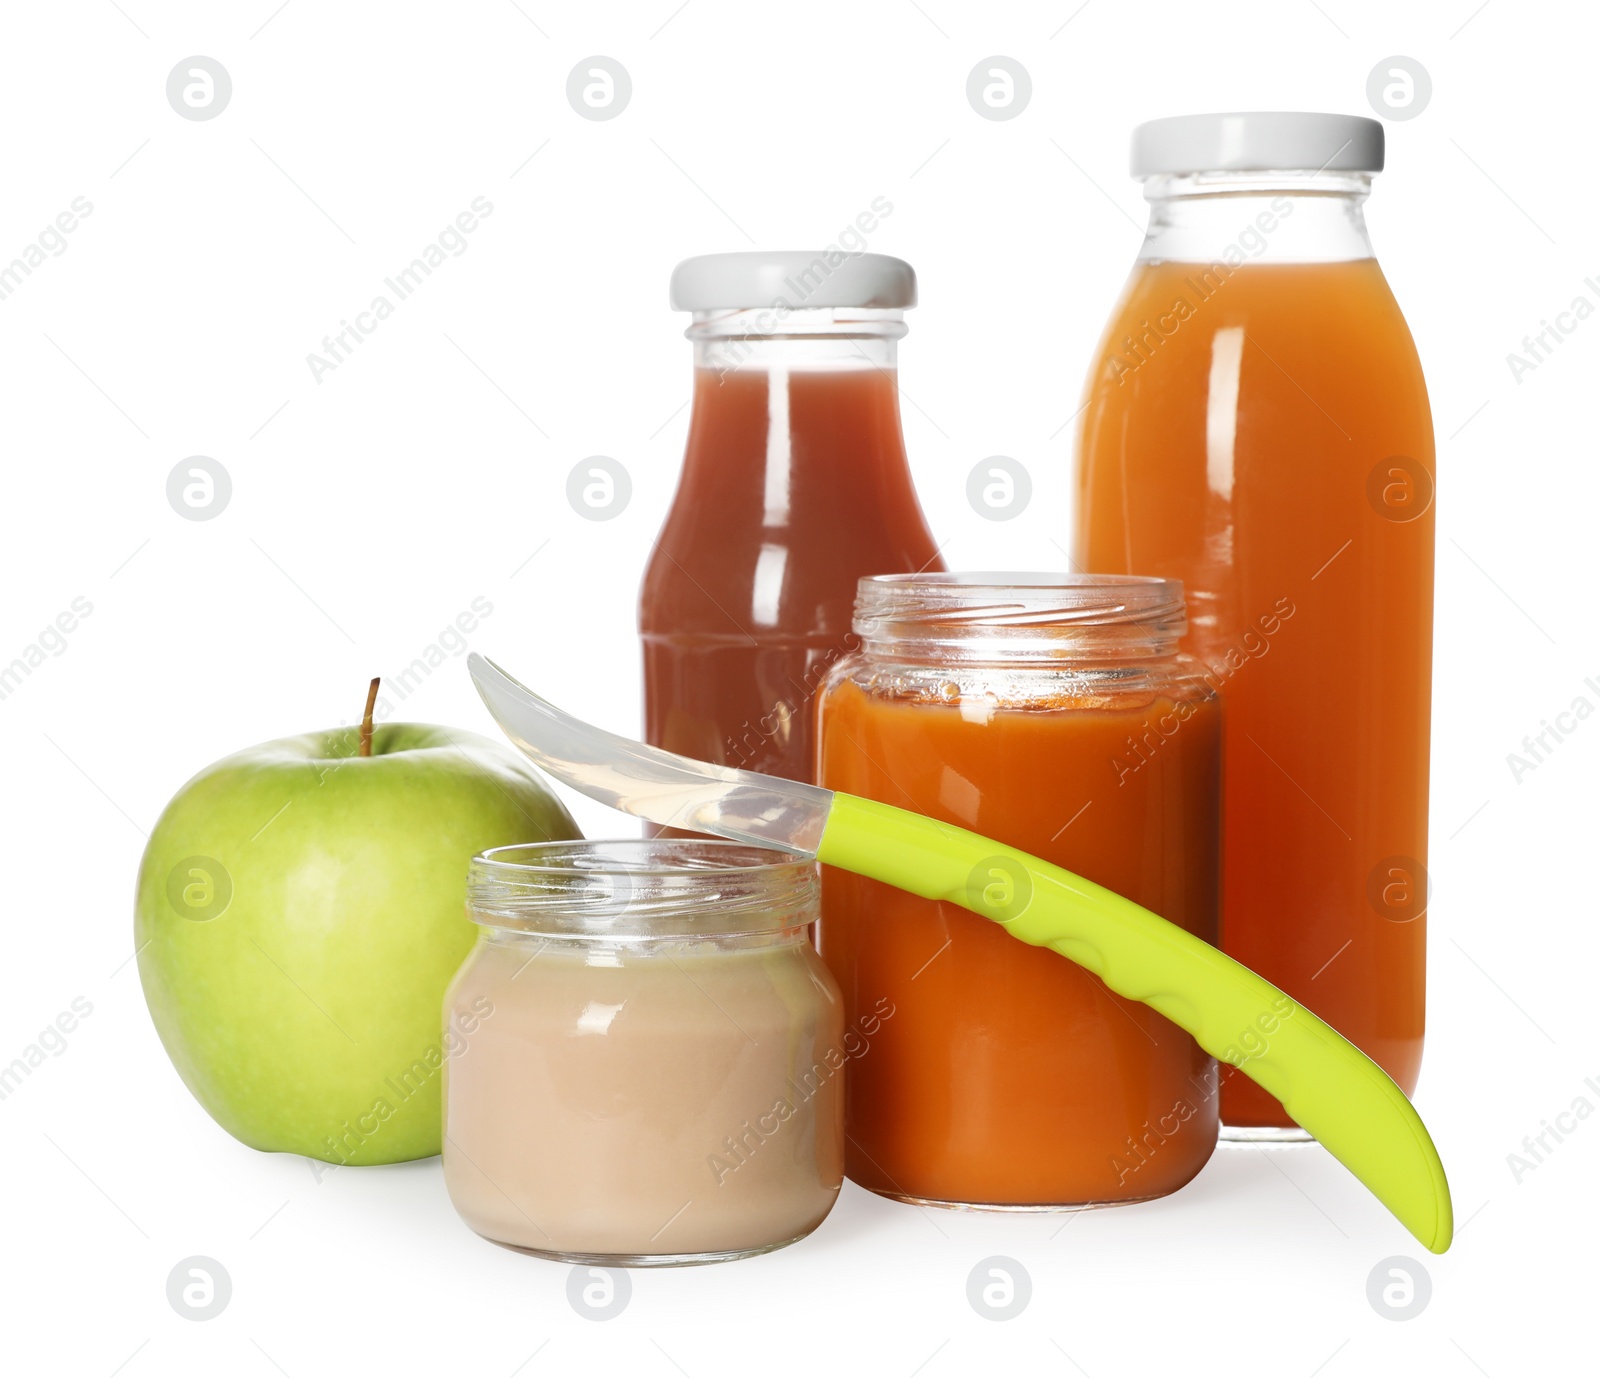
(795,485)
(1256,425)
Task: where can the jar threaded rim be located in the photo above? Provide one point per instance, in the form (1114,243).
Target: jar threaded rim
(642,888)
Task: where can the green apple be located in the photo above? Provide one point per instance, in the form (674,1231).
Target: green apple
(300,912)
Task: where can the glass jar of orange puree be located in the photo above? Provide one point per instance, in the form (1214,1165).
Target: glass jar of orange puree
(1053,713)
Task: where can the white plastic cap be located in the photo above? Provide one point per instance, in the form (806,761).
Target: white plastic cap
(1257,142)
(798,279)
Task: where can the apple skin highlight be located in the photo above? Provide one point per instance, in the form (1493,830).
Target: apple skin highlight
(299,914)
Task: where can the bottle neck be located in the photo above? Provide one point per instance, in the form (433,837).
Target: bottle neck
(778,338)
(797,405)
(1236,218)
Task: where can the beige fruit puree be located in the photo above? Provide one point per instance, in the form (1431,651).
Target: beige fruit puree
(657,1070)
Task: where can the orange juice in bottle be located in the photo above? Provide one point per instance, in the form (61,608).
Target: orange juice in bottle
(1256,424)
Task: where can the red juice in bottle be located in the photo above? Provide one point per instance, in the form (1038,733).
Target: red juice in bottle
(794,486)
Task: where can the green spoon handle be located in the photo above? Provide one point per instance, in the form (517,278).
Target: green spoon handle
(1327,1084)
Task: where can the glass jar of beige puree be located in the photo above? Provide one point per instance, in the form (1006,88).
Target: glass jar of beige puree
(654,1073)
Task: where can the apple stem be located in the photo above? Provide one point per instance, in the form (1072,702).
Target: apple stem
(366,718)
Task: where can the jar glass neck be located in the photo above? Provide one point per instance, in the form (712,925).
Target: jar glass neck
(1234,218)
(643,889)
(1065,622)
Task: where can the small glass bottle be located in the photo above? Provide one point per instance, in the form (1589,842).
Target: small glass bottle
(1256,424)
(644,1054)
(795,484)
(1055,712)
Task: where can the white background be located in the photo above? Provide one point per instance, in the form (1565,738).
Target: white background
(370,509)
